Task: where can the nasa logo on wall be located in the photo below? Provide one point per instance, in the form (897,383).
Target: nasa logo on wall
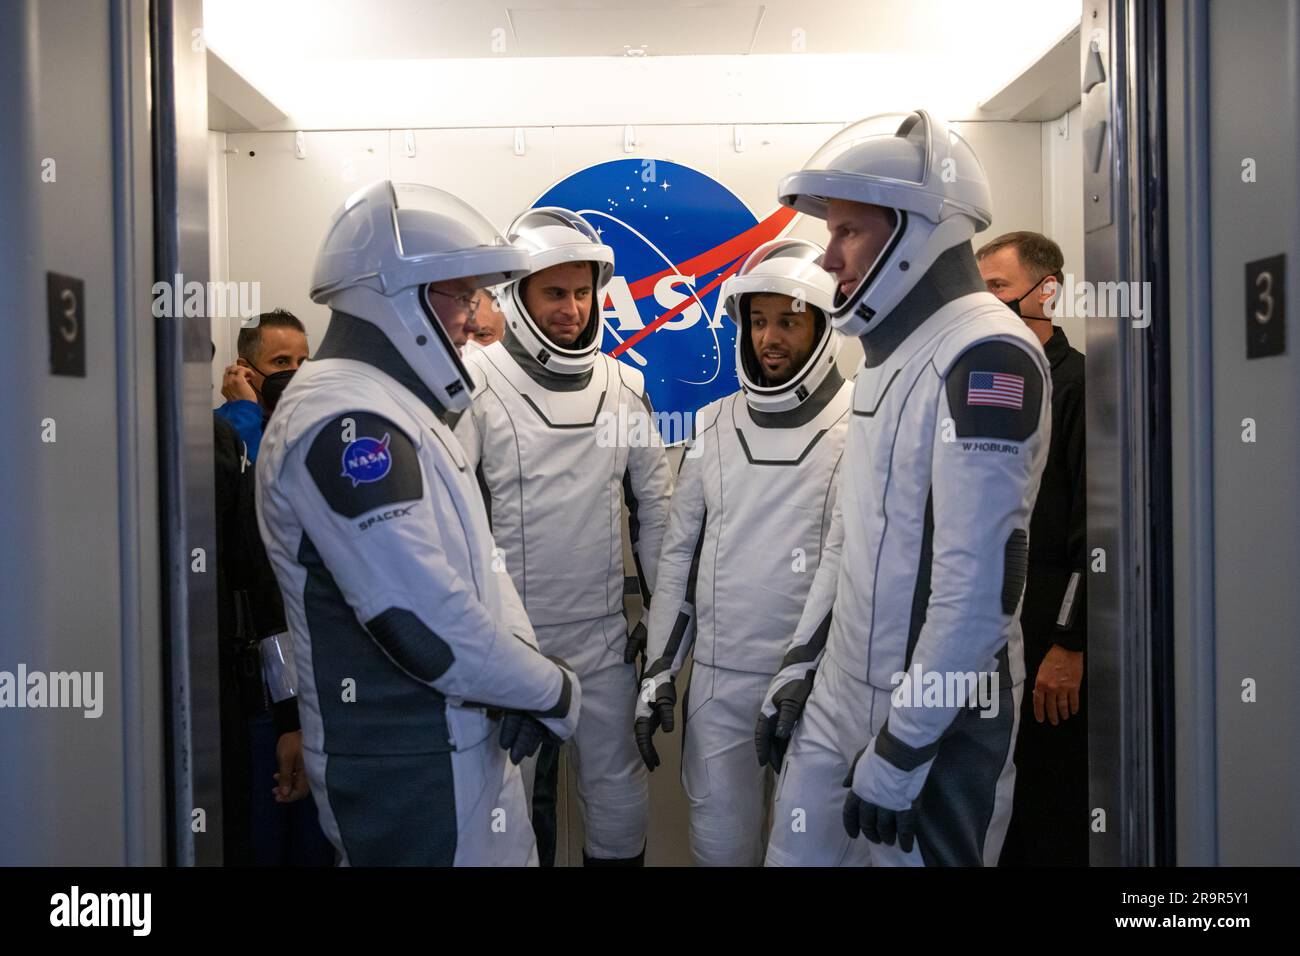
(676,234)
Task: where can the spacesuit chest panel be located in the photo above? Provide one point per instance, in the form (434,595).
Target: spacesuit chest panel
(769,502)
(397,714)
(555,477)
(890,423)
(443,460)
(886,487)
(443,457)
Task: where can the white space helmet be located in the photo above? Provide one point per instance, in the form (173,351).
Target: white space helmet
(913,164)
(785,267)
(550,236)
(384,247)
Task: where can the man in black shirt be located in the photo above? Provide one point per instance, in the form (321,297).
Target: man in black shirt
(1049,821)
(259,728)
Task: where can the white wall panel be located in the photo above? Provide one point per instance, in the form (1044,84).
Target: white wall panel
(223,333)
(577,147)
(770,151)
(279,206)
(1063,202)
(1011,154)
(479,165)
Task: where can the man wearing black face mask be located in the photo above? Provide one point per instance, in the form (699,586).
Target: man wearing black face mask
(271,348)
(259,714)
(1049,811)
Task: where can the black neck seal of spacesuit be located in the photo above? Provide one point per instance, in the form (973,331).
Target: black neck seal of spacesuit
(348,337)
(953,275)
(549,379)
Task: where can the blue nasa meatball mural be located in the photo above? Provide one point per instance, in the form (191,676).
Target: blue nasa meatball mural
(676,235)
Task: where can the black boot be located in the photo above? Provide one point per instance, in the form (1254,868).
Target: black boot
(638,860)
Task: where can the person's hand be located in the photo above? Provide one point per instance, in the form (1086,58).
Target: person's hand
(875,820)
(237,384)
(291,781)
(521,735)
(885,780)
(654,709)
(635,646)
(1056,691)
(782,707)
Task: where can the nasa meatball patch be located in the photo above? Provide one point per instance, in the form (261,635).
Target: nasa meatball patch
(361,461)
(367,459)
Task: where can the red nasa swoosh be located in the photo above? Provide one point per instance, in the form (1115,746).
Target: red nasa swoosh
(730,254)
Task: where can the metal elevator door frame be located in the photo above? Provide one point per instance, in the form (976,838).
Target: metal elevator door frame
(1129,602)
(1191,299)
(185,430)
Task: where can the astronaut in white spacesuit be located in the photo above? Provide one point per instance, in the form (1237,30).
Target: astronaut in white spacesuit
(750,514)
(537,434)
(946,444)
(415,662)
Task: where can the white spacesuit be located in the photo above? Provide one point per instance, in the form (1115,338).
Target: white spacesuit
(536,433)
(945,448)
(750,513)
(408,646)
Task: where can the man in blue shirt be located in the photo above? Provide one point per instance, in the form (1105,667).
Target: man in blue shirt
(270,350)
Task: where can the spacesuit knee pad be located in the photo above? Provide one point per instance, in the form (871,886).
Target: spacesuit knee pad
(726,807)
(616,814)
(718,839)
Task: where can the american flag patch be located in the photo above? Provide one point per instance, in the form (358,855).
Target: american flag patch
(999,389)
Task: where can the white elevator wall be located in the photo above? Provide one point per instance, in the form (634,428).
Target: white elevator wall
(224,333)
(276,208)
(1063,202)
(270,209)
